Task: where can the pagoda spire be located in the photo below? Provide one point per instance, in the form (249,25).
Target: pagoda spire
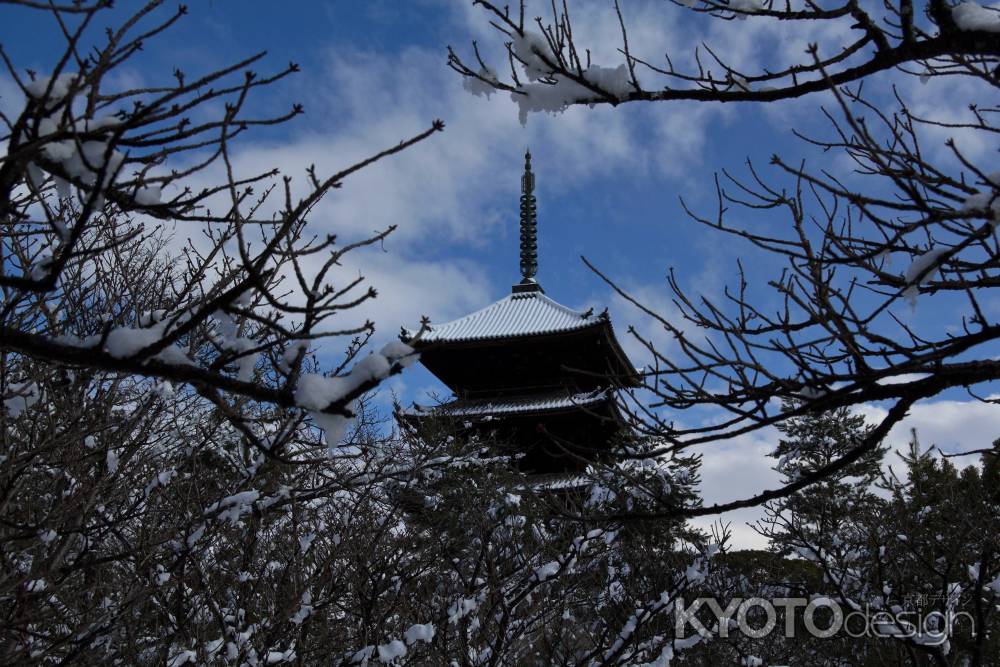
(529,231)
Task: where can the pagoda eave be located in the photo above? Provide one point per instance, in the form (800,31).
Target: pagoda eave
(581,359)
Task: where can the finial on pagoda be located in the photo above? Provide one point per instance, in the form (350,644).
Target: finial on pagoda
(529,231)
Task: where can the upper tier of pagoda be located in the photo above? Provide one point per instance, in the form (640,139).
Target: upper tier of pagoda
(525,343)
(534,373)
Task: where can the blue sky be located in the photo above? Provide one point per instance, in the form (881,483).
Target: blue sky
(608,180)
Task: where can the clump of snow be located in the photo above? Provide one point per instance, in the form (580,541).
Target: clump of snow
(694,572)
(363,655)
(97,124)
(274,657)
(35,175)
(292,352)
(614,80)
(232,507)
(112,461)
(160,480)
(60,86)
(529,48)
(988,200)
(391,651)
(334,428)
(195,536)
(973,16)
(923,268)
(163,389)
(81,157)
(150,317)
(555,97)
(62,187)
(182,658)
(547,571)
(316,393)
(557,93)
(812,393)
(743,7)
(284,493)
(461,608)
(149,195)
(305,609)
(419,632)
(247,362)
(372,367)
(36,586)
(124,342)
(740,82)
(479,87)
(229,340)
(59,151)
(92,158)
(994,586)
(25,395)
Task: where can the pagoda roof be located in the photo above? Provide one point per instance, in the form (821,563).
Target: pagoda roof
(540,403)
(520,314)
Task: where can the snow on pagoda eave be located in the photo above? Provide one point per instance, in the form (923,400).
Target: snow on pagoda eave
(527,315)
(517,315)
(549,403)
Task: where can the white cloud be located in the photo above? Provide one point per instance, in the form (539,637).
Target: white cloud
(951,426)
(409,288)
(736,469)
(625,315)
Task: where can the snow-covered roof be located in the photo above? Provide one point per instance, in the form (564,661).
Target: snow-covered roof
(518,314)
(514,404)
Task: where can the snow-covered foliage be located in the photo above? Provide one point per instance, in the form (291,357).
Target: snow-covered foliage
(91,200)
(202,549)
(544,88)
(166,497)
(642,485)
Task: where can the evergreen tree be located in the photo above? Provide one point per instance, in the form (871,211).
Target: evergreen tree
(819,514)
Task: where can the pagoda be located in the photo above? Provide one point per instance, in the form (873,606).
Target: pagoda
(526,370)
